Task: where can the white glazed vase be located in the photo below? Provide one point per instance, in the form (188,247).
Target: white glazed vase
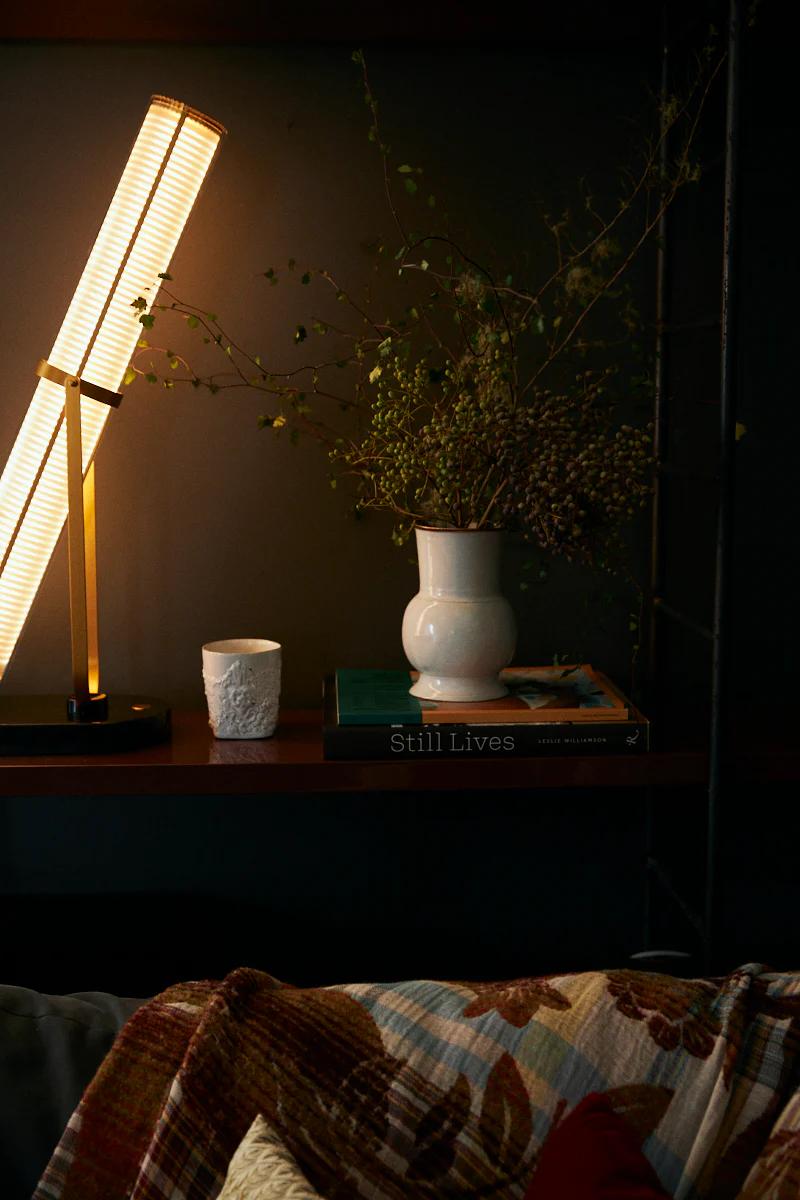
(459,631)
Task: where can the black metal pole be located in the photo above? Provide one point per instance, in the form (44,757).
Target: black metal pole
(660,399)
(659,453)
(728,360)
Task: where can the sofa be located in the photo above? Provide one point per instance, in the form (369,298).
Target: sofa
(436,1090)
(50,1048)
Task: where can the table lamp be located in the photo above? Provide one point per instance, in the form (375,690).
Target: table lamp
(49,476)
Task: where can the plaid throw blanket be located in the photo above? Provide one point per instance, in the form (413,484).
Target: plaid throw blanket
(437,1090)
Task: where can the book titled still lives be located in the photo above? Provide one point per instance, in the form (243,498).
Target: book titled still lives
(369,714)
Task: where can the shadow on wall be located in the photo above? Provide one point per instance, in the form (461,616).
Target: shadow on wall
(209,528)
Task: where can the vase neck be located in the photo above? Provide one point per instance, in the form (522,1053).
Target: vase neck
(459,563)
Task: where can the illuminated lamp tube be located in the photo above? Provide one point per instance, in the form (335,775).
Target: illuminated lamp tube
(169,160)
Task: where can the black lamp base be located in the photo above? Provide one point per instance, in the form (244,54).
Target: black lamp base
(42,725)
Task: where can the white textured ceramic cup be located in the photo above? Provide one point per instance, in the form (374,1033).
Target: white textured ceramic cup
(242,678)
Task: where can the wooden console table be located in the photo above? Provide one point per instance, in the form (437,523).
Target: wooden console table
(194,762)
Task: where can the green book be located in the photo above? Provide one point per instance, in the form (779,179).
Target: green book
(373,697)
(535,694)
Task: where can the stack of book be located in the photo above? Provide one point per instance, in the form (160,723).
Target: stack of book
(548,710)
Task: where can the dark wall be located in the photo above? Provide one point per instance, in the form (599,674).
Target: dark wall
(132,893)
(207,527)
(763,554)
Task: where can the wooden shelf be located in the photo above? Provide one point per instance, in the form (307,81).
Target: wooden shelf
(195,763)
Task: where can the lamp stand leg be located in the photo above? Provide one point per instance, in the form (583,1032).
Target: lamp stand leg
(85,703)
(90,544)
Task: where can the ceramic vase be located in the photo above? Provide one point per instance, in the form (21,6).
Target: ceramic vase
(459,631)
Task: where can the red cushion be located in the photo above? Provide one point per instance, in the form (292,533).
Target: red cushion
(593,1154)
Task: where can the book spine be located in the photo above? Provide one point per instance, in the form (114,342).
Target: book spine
(483,741)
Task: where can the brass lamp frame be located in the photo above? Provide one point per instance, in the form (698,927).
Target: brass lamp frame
(86,701)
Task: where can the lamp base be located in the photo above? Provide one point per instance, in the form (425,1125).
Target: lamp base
(41,725)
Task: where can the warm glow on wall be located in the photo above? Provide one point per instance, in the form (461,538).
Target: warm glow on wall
(141,229)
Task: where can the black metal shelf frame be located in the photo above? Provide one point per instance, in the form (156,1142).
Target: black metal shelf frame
(704,923)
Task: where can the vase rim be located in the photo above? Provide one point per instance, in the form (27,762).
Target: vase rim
(454,529)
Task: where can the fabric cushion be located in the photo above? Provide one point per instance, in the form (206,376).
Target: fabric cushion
(263,1169)
(594,1154)
(775,1174)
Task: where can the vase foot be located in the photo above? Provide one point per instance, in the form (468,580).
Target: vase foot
(448,687)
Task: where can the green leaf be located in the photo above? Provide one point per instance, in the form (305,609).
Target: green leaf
(192,322)
(142,344)
(405,169)
(164,275)
(140,304)
(300,334)
(173,364)
(130,375)
(147,320)
(411,187)
(319,327)
(424,264)
(292,263)
(539,324)
(306,278)
(431,202)
(270,274)
(151,378)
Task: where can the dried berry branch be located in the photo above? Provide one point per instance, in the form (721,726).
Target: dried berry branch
(473,405)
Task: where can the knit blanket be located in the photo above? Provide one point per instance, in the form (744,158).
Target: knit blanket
(437,1090)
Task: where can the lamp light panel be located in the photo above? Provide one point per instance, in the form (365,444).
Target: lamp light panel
(169,160)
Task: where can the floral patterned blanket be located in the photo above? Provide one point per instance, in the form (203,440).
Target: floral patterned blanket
(437,1090)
